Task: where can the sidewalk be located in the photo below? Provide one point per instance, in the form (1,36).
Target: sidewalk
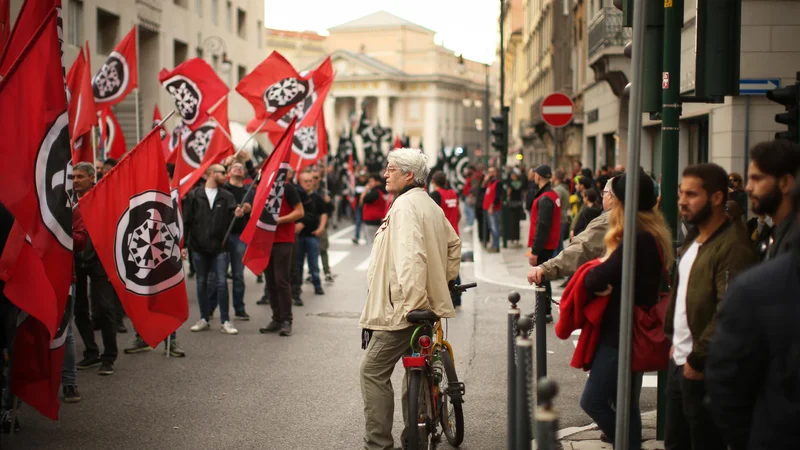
(510,268)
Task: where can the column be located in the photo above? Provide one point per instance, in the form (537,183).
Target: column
(383,110)
(430,134)
(329,111)
(398,116)
(461,111)
(359,144)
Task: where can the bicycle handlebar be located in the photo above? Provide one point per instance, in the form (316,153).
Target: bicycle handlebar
(463,287)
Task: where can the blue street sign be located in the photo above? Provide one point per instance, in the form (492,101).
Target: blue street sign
(754,86)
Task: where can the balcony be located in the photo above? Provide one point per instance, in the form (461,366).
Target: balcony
(606,30)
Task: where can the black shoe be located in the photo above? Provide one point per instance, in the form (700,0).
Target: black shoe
(242,316)
(298,301)
(71,394)
(139,345)
(121,328)
(106,368)
(264,300)
(309,280)
(229,276)
(88,363)
(355,241)
(273,327)
(286,329)
(548,318)
(190,274)
(259,279)
(174,350)
(5,422)
(329,278)
(319,291)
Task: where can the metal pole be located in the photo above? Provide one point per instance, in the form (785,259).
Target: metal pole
(486,115)
(546,415)
(629,237)
(555,149)
(670,147)
(541,331)
(136,92)
(524,384)
(513,316)
(169,344)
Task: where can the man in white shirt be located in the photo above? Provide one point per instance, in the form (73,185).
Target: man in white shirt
(715,250)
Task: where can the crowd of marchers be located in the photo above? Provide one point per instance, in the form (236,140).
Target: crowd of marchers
(723,290)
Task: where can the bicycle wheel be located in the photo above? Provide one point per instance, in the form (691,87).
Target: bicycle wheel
(452,413)
(419,411)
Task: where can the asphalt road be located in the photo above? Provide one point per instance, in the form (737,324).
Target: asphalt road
(254,391)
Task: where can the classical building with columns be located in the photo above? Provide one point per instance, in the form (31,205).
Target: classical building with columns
(406,82)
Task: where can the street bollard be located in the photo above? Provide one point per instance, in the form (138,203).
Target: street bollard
(513,315)
(524,383)
(541,331)
(546,415)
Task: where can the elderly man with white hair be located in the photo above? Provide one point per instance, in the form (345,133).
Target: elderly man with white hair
(415,254)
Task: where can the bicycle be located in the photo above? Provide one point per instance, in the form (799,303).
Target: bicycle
(435,395)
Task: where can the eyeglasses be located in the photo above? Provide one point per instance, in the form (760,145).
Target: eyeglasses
(606,192)
(390,169)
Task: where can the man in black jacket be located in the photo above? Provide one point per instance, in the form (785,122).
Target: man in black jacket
(771,177)
(545,230)
(753,366)
(207,213)
(235,246)
(308,237)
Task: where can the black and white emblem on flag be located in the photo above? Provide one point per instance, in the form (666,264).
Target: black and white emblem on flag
(112,80)
(188,97)
(268,220)
(299,110)
(196,143)
(54,181)
(61,334)
(286,92)
(110,133)
(305,142)
(146,245)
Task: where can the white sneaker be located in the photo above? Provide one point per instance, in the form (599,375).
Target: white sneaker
(228,328)
(201,325)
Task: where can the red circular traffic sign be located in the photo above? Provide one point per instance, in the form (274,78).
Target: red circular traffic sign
(557,109)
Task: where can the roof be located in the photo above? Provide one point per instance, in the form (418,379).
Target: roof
(361,58)
(380,19)
(308,35)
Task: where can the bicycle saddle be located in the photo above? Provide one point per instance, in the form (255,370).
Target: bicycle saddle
(422,315)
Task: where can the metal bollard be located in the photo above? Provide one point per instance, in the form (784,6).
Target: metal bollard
(524,383)
(513,316)
(546,415)
(541,331)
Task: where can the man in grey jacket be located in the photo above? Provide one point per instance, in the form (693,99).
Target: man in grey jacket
(585,247)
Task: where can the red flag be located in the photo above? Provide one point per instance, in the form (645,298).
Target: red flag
(118,76)
(35,161)
(31,15)
(137,238)
(259,233)
(82,111)
(219,148)
(193,147)
(274,87)
(5,23)
(111,133)
(162,134)
(196,88)
(398,143)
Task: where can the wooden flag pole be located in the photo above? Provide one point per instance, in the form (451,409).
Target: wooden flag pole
(171,113)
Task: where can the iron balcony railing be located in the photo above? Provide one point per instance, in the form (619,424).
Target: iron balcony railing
(606,30)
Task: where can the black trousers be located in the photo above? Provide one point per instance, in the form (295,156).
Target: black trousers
(296,275)
(104,301)
(547,255)
(688,425)
(279,283)
(483,227)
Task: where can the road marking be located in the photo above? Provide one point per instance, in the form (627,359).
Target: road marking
(334,258)
(343,232)
(363,266)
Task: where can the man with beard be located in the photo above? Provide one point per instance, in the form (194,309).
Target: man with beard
(770,180)
(714,252)
(235,246)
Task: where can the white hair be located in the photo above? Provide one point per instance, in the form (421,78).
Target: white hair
(411,160)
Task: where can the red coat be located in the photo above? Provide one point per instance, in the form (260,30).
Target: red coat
(581,310)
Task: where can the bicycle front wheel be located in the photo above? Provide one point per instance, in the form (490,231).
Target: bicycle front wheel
(452,414)
(419,411)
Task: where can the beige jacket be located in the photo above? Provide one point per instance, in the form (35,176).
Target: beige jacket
(415,253)
(588,245)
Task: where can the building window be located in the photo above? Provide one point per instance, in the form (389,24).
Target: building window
(198,7)
(107,31)
(215,12)
(260,33)
(228,15)
(75,23)
(241,23)
(241,72)
(182,3)
(180,51)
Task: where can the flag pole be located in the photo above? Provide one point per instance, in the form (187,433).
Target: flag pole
(171,113)
(169,344)
(136,92)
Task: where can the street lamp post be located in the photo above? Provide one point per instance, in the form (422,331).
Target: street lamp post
(214,45)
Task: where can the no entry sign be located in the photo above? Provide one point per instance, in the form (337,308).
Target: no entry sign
(557,109)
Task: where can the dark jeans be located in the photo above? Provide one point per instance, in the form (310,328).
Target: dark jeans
(8,329)
(308,248)
(494,225)
(600,393)
(236,249)
(688,425)
(547,255)
(206,264)
(278,280)
(564,233)
(358,222)
(483,229)
(104,299)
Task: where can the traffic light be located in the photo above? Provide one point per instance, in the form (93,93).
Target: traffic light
(719,33)
(500,131)
(789,97)
(653,49)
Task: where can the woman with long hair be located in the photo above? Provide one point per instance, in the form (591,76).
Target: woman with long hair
(653,254)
